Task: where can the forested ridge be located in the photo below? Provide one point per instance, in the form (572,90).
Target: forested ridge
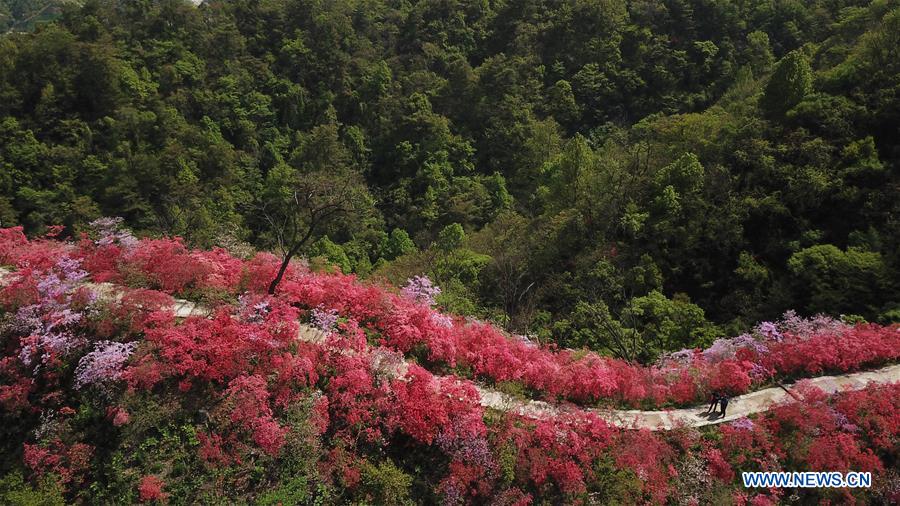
(587,172)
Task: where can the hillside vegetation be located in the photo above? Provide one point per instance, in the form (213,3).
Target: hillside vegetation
(107,397)
(590,173)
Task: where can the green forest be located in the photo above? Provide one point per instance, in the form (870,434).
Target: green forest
(577,171)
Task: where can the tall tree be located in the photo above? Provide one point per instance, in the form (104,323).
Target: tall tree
(299,206)
(790,82)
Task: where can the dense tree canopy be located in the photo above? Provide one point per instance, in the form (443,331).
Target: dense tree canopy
(671,169)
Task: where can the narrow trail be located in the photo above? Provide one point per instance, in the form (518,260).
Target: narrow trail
(738,407)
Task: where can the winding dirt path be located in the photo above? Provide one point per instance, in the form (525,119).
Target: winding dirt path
(738,407)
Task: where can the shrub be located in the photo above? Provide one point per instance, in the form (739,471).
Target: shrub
(151,489)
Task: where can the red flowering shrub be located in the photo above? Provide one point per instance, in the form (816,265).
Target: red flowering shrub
(718,466)
(70,463)
(684,389)
(750,447)
(294,372)
(12,242)
(320,418)
(14,396)
(101,261)
(340,292)
(221,271)
(816,433)
(222,347)
(260,270)
(408,325)
(841,452)
(119,416)
(582,379)
(426,406)
(20,289)
(555,453)
(165,264)
(731,377)
(16,384)
(151,489)
(132,312)
(250,410)
(18,251)
(356,401)
(866,344)
(651,460)
(211,451)
(462,484)
(874,414)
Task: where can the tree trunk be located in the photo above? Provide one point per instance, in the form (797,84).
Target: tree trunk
(281,270)
(287,259)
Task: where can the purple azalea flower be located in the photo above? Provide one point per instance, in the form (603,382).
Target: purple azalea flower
(103,364)
(324,319)
(421,290)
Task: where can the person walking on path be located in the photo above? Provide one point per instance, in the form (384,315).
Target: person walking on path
(723,400)
(713,403)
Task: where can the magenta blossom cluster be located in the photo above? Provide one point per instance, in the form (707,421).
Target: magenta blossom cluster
(442,320)
(726,349)
(743,423)
(763,335)
(420,289)
(768,330)
(103,364)
(323,319)
(804,328)
(109,231)
(253,308)
(49,322)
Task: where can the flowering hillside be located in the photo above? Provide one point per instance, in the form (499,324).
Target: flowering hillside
(108,398)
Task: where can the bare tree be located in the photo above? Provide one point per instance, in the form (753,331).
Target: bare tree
(309,205)
(169,212)
(624,339)
(507,241)
(625,342)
